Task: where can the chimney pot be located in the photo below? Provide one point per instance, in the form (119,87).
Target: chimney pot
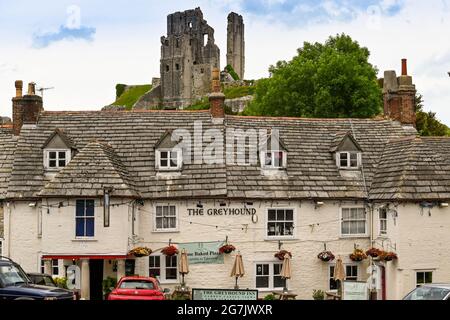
(216,98)
(19,88)
(32,89)
(404,67)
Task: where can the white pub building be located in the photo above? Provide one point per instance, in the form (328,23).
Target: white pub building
(85,188)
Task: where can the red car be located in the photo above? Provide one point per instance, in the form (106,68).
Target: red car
(137,288)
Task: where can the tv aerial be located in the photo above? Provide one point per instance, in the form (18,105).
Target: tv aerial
(42,90)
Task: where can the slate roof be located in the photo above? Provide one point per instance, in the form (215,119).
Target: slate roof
(7,146)
(94,168)
(413,169)
(128,159)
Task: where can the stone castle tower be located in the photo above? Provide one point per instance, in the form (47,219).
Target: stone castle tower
(188,56)
(236,43)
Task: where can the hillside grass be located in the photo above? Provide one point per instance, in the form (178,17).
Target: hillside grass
(132,95)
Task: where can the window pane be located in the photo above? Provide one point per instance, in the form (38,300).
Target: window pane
(172,211)
(52,163)
(172,223)
(268,159)
(171,261)
(171,273)
(262,282)
(271,228)
(164,163)
(277,268)
(383,214)
(278,159)
(428,277)
(354,160)
(271,216)
(80,208)
(343,159)
(280,215)
(174,159)
(290,215)
(165,211)
(278,282)
(90,208)
(154,272)
(361,213)
(361,227)
(62,155)
(164,155)
(159,223)
(345,214)
(159,211)
(79,227)
(89,227)
(52,155)
(62,163)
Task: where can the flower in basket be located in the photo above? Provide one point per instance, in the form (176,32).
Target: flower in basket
(388,256)
(140,252)
(358,255)
(326,256)
(170,251)
(374,252)
(228,248)
(281,254)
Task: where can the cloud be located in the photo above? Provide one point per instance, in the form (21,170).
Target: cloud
(307,12)
(64,33)
(6,67)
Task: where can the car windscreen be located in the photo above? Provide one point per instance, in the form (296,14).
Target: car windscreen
(137,284)
(428,293)
(10,275)
(43,281)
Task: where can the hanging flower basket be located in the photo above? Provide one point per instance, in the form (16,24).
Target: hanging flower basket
(374,252)
(388,256)
(227,249)
(358,255)
(140,252)
(170,251)
(326,256)
(281,254)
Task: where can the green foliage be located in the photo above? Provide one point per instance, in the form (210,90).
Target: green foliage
(107,284)
(232,73)
(332,80)
(120,88)
(132,95)
(318,295)
(202,104)
(427,124)
(61,282)
(269,297)
(232,92)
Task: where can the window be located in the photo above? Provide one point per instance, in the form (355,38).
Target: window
(424,277)
(268,276)
(1,247)
(169,159)
(55,267)
(85,218)
(275,160)
(56,159)
(177,67)
(351,272)
(348,160)
(280,223)
(383,221)
(164,268)
(167,68)
(353,222)
(166,218)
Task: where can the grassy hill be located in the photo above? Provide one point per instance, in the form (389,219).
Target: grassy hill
(130,96)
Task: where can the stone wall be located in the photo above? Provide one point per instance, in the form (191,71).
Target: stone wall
(236,43)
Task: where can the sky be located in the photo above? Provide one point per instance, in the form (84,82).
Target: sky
(83,48)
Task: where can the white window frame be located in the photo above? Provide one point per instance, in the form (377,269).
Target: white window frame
(294,221)
(92,238)
(271,276)
(423,271)
(169,167)
(162,266)
(356,235)
(330,275)
(47,158)
(55,264)
(166,230)
(348,166)
(272,166)
(382,233)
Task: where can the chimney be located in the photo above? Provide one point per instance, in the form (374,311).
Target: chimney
(216,98)
(399,96)
(26,108)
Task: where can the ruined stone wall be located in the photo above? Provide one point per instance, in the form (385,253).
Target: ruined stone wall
(236,43)
(187,50)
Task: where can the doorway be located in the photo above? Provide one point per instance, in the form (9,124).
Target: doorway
(96,279)
(383,282)
(129,267)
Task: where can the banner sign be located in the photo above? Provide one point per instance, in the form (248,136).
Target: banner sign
(203,252)
(224,294)
(352,290)
(217,212)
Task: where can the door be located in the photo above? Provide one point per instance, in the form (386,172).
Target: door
(383,282)
(129,267)
(96,279)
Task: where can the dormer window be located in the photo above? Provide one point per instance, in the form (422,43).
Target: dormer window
(169,159)
(348,160)
(274,160)
(58,151)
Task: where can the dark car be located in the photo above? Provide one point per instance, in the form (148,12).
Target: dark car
(16,285)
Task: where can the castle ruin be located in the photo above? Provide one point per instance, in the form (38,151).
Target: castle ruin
(236,44)
(188,56)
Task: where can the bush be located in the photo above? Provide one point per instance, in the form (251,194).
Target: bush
(318,295)
(269,297)
(107,284)
(232,73)
(61,282)
(120,89)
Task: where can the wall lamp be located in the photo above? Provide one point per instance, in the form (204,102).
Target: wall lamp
(443,204)
(199,205)
(32,204)
(318,204)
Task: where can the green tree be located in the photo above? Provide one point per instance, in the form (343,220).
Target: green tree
(332,80)
(427,124)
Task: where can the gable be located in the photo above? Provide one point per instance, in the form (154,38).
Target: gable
(345,143)
(165,142)
(58,140)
